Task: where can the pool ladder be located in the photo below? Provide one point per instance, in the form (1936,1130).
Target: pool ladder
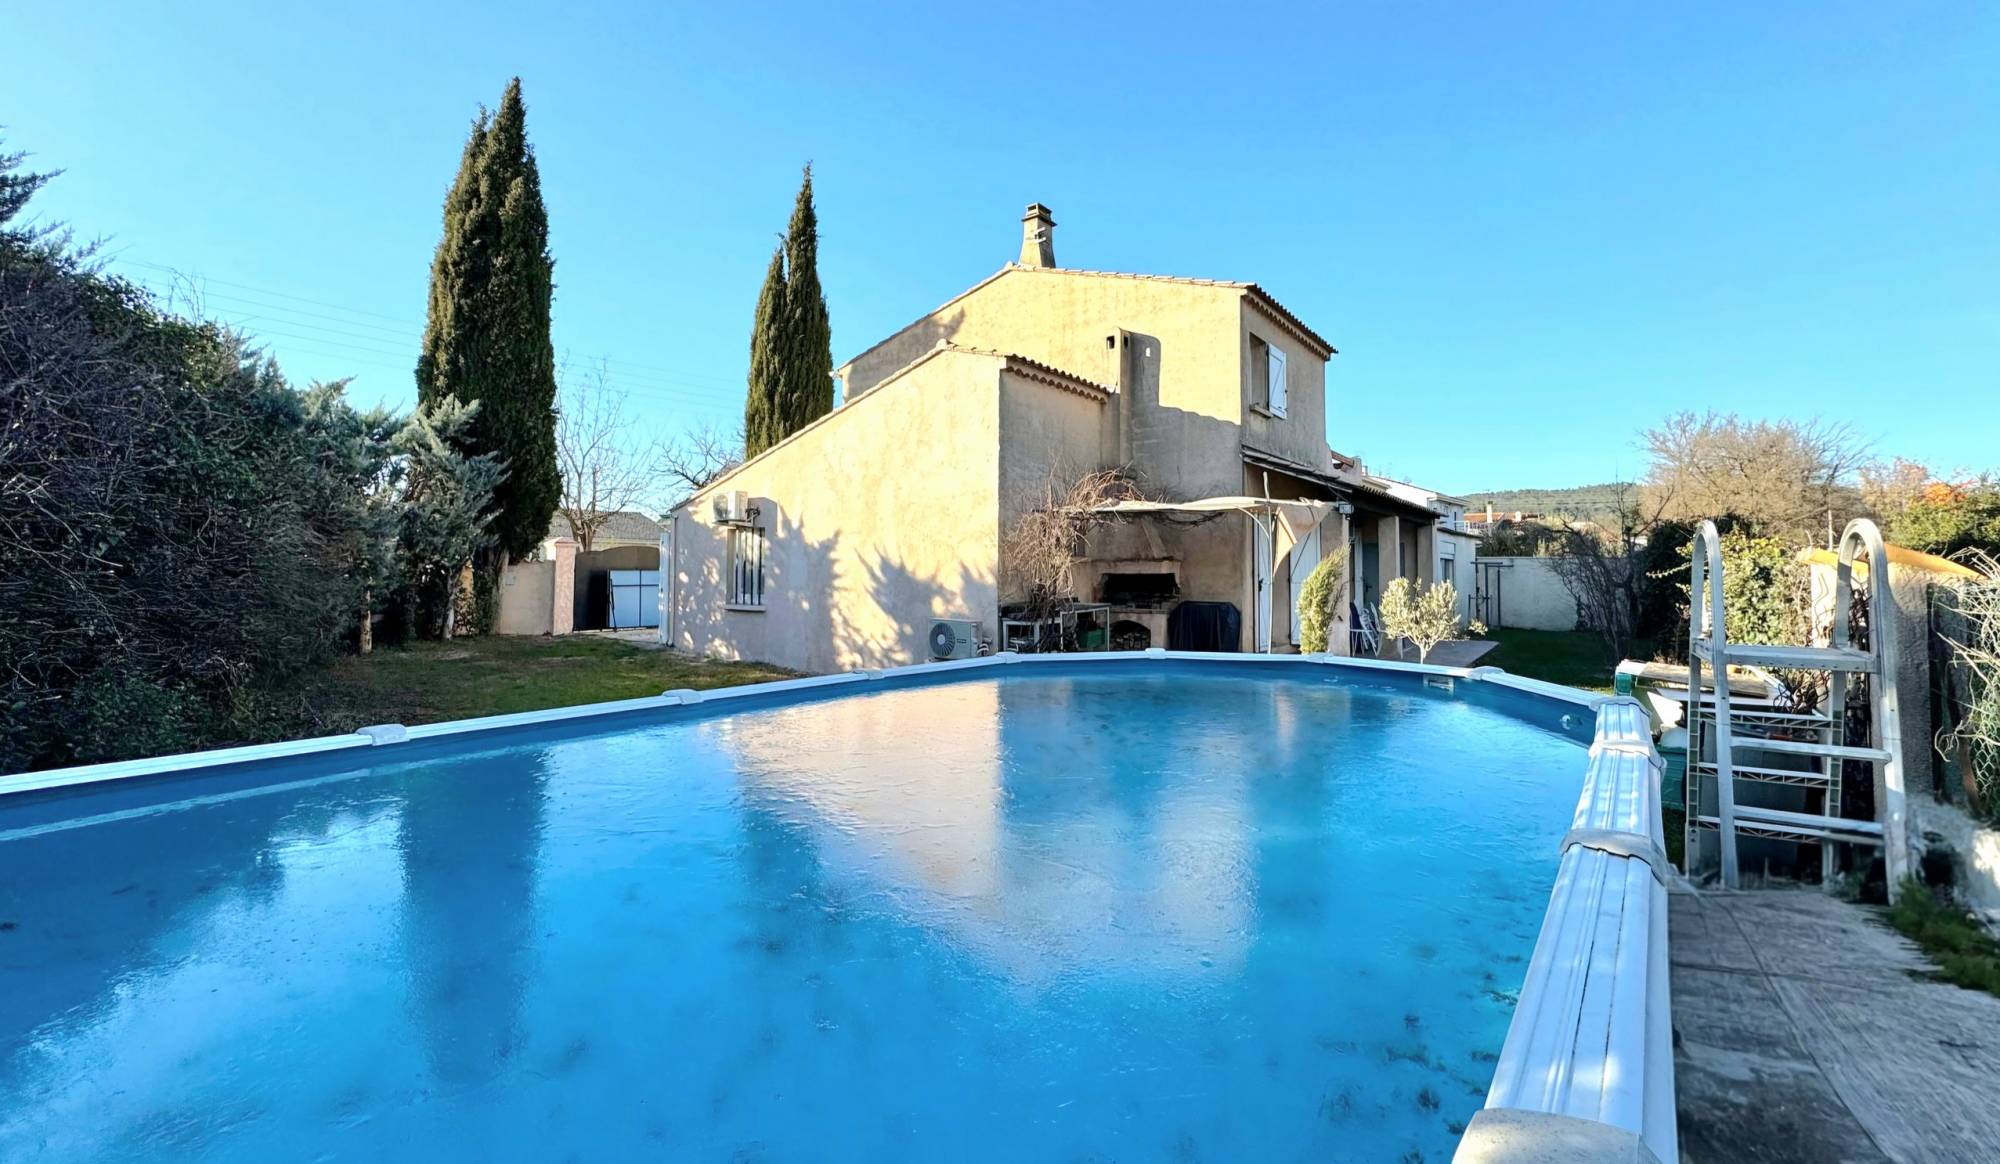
(1819,738)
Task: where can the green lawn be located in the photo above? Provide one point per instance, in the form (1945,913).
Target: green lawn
(428,682)
(1571,658)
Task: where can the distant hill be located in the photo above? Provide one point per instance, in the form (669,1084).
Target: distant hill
(1582,501)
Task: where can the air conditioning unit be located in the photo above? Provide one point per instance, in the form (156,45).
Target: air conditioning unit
(954,638)
(732,507)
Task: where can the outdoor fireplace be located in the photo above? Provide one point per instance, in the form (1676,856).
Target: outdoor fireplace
(1139,591)
(1130,635)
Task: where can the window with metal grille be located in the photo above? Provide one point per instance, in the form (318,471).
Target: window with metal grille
(746,566)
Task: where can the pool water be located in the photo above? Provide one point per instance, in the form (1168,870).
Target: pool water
(1109,913)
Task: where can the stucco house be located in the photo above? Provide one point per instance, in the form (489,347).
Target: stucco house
(839,547)
(1455,545)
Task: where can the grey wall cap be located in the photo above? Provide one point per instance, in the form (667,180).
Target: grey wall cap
(1502,1135)
(385,733)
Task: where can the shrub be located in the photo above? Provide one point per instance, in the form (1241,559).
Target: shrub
(1948,520)
(1425,615)
(1321,589)
(1966,955)
(176,522)
(1766,590)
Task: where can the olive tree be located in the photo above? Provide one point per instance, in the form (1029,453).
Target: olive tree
(1425,615)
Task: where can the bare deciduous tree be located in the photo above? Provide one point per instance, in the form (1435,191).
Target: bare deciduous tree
(1889,488)
(1595,564)
(603,471)
(1788,478)
(1041,545)
(693,460)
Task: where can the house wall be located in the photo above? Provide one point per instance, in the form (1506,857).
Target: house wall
(879,518)
(1178,359)
(1184,360)
(1049,437)
(1455,552)
(1300,435)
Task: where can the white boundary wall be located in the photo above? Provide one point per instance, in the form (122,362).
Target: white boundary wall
(1531,596)
(1586,1072)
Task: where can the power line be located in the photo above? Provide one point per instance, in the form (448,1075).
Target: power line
(203,295)
(667,377)
(259,290)
(346,345)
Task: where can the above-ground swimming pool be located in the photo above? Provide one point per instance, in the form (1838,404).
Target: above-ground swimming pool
(1151,910)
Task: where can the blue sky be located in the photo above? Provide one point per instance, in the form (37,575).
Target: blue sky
(1531,229)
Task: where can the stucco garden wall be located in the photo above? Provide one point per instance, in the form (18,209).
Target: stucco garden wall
(1532,597)
(527,599)
(536,597)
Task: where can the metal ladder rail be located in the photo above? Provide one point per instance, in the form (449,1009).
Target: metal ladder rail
(1708,636)
(1705,623)
(1884,702)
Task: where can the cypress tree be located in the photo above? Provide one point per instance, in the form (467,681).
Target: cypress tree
(487,336)
(791,341)
(808,391)
(762,403)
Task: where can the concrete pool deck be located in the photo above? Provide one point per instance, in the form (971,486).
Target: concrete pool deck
(1805,1029)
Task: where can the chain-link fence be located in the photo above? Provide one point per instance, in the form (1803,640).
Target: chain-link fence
(1965,691)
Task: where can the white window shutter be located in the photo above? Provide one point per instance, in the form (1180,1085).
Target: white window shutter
(1277,377)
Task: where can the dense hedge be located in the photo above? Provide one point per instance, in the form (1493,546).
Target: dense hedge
(178,526)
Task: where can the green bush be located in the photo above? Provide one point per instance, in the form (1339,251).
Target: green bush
(177,523)
(112,717)
(1317,595)
(1955,520)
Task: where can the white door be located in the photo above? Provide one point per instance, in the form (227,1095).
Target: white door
(1260,570)
(1305,558)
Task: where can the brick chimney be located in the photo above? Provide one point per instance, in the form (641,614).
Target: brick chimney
(1038,237)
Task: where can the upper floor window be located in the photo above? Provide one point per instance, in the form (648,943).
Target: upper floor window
(1267,377)
(746,566)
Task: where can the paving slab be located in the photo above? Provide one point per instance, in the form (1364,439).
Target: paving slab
(1806,1030)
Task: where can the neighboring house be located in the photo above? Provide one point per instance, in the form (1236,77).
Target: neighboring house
(615,585)
(626,527)
(1456,545)
(838,547)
